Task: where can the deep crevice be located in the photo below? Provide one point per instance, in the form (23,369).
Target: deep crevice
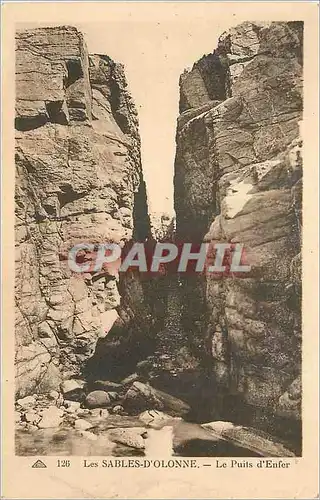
(141,220)
(25,123)
(56,113)
(68,195)
(75,71)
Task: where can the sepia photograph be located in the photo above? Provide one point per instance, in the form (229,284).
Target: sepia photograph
(161,187)
(123,345)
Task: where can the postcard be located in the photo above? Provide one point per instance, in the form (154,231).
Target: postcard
(160,250)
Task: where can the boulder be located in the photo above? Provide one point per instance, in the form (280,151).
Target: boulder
(133,437)
(97,399)
(289,404)
(248,438)
(157,419)
(142,397)
(73,389)
(107,385)
(51,417)
(32,428)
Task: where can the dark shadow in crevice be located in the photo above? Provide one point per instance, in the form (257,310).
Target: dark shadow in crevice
(56,113)
(68,195)
(141,219)
(208,448)
(117,355)
(24,123)
(75,72)
(298,27)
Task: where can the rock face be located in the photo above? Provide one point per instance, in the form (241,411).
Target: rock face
(238,179)
(78,179)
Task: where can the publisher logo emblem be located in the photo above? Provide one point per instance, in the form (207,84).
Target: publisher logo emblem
(39,465)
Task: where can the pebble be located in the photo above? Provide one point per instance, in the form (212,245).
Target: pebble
(117,409)
(99,412)
(82,425)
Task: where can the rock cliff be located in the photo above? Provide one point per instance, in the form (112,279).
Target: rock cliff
(238,179)
(78,179)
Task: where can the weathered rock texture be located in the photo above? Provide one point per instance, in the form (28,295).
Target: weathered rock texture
(78,179)
(238,178)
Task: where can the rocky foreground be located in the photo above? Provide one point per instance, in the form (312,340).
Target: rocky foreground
(127,418)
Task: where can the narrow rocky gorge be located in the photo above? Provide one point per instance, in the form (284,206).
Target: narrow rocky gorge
(104,359)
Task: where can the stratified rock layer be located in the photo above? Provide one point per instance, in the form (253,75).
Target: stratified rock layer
(238,179)
(78,179)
